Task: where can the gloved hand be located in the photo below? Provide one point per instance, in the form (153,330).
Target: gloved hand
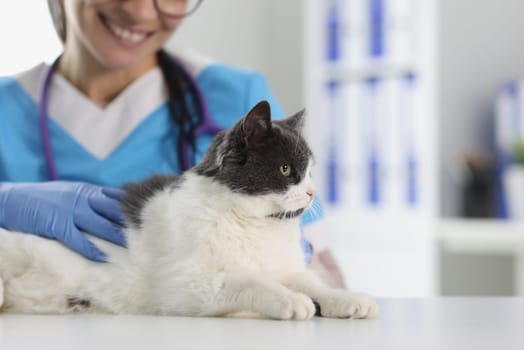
(60,209)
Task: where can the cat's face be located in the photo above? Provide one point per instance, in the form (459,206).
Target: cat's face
(267,160)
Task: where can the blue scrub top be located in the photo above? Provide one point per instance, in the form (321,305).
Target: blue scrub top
(150,148)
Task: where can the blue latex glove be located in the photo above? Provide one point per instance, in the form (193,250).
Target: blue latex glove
(60,210)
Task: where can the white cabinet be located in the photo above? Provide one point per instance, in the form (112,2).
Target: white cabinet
(409,89)
(371,94)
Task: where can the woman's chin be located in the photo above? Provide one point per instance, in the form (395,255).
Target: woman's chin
(119,61)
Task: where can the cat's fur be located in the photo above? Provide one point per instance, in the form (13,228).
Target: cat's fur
(223,238)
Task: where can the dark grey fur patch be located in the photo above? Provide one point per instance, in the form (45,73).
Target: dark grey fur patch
(138,194)
(247,157)
(318,310)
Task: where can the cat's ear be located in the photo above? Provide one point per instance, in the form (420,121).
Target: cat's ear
(296,121)
(256,125)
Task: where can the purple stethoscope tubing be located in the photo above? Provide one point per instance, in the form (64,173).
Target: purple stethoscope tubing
(43,120)
(207,126)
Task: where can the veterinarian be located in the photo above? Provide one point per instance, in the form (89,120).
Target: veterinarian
(114,108)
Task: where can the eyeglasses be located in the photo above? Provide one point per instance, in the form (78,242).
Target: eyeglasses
(177,8)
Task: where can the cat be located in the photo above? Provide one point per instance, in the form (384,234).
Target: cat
(221,239)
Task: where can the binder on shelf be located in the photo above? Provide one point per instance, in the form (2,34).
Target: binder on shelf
(372,133)
(335,110)
(509,130)
(507,118)
(355,34)
(409,147)
(376,29)
(400,31)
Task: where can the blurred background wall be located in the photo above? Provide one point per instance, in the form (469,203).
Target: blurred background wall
(266,35)
(478,53)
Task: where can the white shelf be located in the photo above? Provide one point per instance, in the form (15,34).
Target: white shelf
(382,71)
(486,237)
(478,236)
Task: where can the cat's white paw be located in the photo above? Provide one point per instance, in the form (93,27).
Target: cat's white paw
(292,306)
(343,304)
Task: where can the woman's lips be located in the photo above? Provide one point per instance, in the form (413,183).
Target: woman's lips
(124,35)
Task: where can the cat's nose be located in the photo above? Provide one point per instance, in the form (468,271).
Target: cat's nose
(310,193)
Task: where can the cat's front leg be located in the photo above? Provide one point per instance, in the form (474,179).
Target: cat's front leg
(335,303)
(232,292)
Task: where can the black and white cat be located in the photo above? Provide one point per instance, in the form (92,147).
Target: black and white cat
(222,238)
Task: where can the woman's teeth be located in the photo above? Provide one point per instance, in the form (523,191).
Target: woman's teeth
(126,35)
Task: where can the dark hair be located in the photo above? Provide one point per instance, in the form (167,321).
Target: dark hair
(184,107)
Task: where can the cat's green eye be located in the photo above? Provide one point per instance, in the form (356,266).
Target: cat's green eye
(285,169)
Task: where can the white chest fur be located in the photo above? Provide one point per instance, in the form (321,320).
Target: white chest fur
(218,230)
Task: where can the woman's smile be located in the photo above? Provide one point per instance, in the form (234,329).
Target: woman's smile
(125,35)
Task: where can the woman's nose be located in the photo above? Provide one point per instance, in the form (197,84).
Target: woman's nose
(140,10)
